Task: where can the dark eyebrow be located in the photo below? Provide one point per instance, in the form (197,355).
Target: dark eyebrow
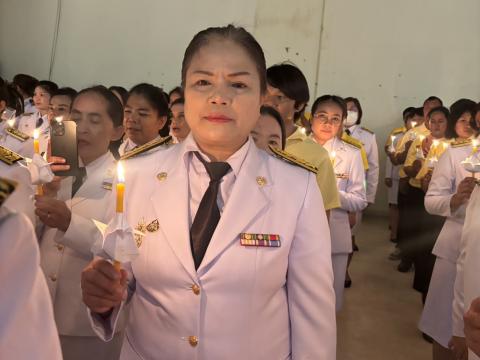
(275,136)
(240,73)
(203,72)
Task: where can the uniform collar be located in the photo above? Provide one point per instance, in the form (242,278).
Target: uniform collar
(235,161)
(98,163)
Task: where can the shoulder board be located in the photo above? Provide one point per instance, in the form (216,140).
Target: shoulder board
(8,156)
(293,160)
(351,141)
(460,143)
(367,130)
(17,134)
(6,189)
(146,147)
(398,130)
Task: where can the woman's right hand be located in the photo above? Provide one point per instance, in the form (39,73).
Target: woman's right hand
(464,190)
(103,287)
(57,164)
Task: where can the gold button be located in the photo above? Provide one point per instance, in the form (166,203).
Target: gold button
(193,341)
(53,277)
(196,289)
(162,176)
(261,181)
(60,247)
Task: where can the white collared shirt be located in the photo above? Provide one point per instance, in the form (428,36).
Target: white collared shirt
(199,178)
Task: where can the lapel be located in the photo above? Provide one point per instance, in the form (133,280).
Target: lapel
(246,201)
(170,201)
(93,183)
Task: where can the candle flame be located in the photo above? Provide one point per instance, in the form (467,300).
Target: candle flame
(36,134)
(302,130)
(414,123)
(59,119)
(435,142)
(422,137)
(11,122)
(475,143)
(120,172)
(333,154)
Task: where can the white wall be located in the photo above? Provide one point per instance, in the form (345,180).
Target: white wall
(391,54)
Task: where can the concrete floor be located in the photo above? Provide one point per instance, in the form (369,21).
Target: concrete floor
(381,310)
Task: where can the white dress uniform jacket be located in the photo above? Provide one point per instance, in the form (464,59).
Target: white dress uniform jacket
(350,174)
(240,303)
(436,318)
(369,142)
(467,284)
(65,255)
(27,327)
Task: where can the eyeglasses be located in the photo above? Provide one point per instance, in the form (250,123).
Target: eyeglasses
(324,119)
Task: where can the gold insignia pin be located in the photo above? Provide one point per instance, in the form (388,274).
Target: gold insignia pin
(153,226)
(261,181)
(162,176)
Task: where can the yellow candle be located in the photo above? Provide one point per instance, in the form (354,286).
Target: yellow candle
(36,143)
(120,187)
(435,147)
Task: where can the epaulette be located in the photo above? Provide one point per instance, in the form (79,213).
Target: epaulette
(17,134)
(460,143)
(146,147)
(6,189)
(367,130)
(352,141)
(291,159)
(8,156)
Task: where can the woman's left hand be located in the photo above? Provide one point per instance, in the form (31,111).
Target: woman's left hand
(426,181)
(53,212)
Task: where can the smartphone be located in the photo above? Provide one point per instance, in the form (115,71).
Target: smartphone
(63,143)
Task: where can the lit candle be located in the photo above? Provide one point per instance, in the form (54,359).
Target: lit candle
(435,144)
(59,119)
(10,123)
(474,146)
(414,123)
(120,187)
(302,130)
(36,143)
(332,156)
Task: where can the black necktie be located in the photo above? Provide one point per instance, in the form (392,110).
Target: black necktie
(79,179)
(39,123)
(208,214)
(348,132)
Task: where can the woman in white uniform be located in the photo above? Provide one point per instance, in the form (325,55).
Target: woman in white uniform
(67,208)
(145,114)
(29,122)
(328,114)
(449,190)
(224,227)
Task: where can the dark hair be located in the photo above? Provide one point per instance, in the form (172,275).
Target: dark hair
(290,81)
(462,106)
(450,132)
(418,112)
(239,36)
(66,91)
(47,85)
(433,98)
(330,98)
(176,89)
(114,106)
(25,83)
(180,100)
(270,111)
(156,98)
(120,90)
(357,104)
(12,98)
(408,113)
(153,94)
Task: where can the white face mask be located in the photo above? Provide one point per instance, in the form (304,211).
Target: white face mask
(352,117)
